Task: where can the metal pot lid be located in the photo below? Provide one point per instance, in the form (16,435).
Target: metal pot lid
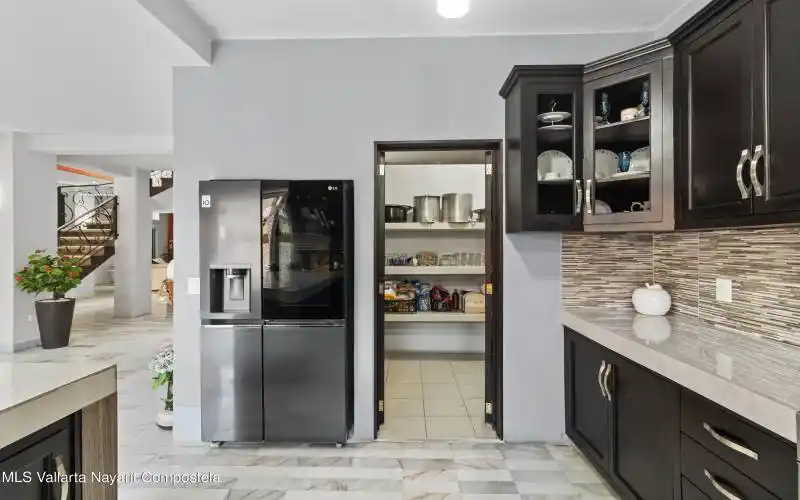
(554,116)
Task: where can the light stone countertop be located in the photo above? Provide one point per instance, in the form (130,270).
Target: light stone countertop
(757,379)
(34,395)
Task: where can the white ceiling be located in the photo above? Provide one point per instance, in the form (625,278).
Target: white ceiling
(399,18)
(86,66)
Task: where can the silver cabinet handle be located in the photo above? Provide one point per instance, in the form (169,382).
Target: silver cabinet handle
(600,378)
(579,197)
(62,472)
(730,443)
(589,196)
(745,157)
(726,492)
(605,381)
(758,153)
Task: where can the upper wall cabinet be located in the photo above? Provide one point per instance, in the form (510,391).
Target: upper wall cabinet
(543,148)
(628,141)
(738,102)
(591,148)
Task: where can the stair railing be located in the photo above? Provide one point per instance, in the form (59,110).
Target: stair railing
(76,200)
(89,232)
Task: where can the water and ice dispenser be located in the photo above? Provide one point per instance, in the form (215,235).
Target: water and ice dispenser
(230,288)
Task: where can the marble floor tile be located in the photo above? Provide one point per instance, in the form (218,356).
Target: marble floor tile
(404,377)
(482,429)
(438,377)
(449,427)
(472,391)
(489,487)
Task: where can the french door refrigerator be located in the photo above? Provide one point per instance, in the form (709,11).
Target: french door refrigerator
(277,310)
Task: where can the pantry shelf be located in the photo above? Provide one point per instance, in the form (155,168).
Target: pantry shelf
(435,227)
(434,317)
(433,270)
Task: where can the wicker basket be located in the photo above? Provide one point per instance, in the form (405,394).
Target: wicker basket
(400,306)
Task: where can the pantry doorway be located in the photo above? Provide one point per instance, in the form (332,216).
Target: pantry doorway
(438,307)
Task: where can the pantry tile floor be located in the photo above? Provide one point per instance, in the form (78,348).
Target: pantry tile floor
(434,399)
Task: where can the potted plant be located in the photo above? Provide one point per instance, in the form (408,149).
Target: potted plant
(57,275)
(161,366)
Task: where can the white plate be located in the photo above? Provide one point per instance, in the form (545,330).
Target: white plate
(601,207)
(555,127)
(630,173)
(605,163)
(554,116)
(552,165)
(640,160)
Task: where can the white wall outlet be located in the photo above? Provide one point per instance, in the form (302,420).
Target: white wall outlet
(724,366)
(724,290)
(193,286)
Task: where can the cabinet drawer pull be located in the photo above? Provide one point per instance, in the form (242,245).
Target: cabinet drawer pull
(758,153)
(726,492)
(730,443)
(745,157)
(605,381)
(579,197)
(589,196)
(600,378)
(62,472)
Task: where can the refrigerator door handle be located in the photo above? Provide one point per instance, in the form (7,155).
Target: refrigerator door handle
(230,326)
(307,323)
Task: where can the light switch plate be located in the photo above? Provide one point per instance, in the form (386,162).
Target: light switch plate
(193,286)
(724,290)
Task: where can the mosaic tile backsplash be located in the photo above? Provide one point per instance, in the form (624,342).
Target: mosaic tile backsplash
(764,265)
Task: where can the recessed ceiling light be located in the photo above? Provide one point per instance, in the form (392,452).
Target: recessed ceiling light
(452,9)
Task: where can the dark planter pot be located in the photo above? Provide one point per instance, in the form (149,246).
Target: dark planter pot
(55,321)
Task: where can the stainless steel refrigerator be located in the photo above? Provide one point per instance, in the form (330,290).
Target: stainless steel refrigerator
(276,261)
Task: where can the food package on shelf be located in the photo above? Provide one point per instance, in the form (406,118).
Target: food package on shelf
(474,303)
(427,259)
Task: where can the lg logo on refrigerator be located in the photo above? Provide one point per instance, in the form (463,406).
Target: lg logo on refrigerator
(333,188)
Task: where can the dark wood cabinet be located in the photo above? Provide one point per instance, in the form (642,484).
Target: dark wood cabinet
(587,407)
(646,425)
(776,178)
(736,102)
(624,418)
(549,202)
(32,468)
(652,439)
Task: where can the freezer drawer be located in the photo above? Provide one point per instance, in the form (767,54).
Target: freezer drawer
(305,383)
(231,405)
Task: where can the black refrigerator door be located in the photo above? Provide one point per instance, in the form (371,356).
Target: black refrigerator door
(304,249)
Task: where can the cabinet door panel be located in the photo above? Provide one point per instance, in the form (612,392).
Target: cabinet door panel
(588,411)
(777,105)
(646,432)
(716,103)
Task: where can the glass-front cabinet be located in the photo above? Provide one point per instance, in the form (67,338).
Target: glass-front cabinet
(627,144)
(591,147)
(544,107)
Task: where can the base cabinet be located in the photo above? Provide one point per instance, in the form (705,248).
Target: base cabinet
(653,439)
(36,467)
(624,418)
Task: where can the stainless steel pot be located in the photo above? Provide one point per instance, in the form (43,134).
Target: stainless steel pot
(427,208)
(456,207)
(396,213)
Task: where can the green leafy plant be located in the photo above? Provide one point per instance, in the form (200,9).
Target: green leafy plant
(48,273)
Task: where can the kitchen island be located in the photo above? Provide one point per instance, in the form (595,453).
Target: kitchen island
(58,430)
(670,405)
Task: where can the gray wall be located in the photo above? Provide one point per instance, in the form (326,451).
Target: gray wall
(312,109)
